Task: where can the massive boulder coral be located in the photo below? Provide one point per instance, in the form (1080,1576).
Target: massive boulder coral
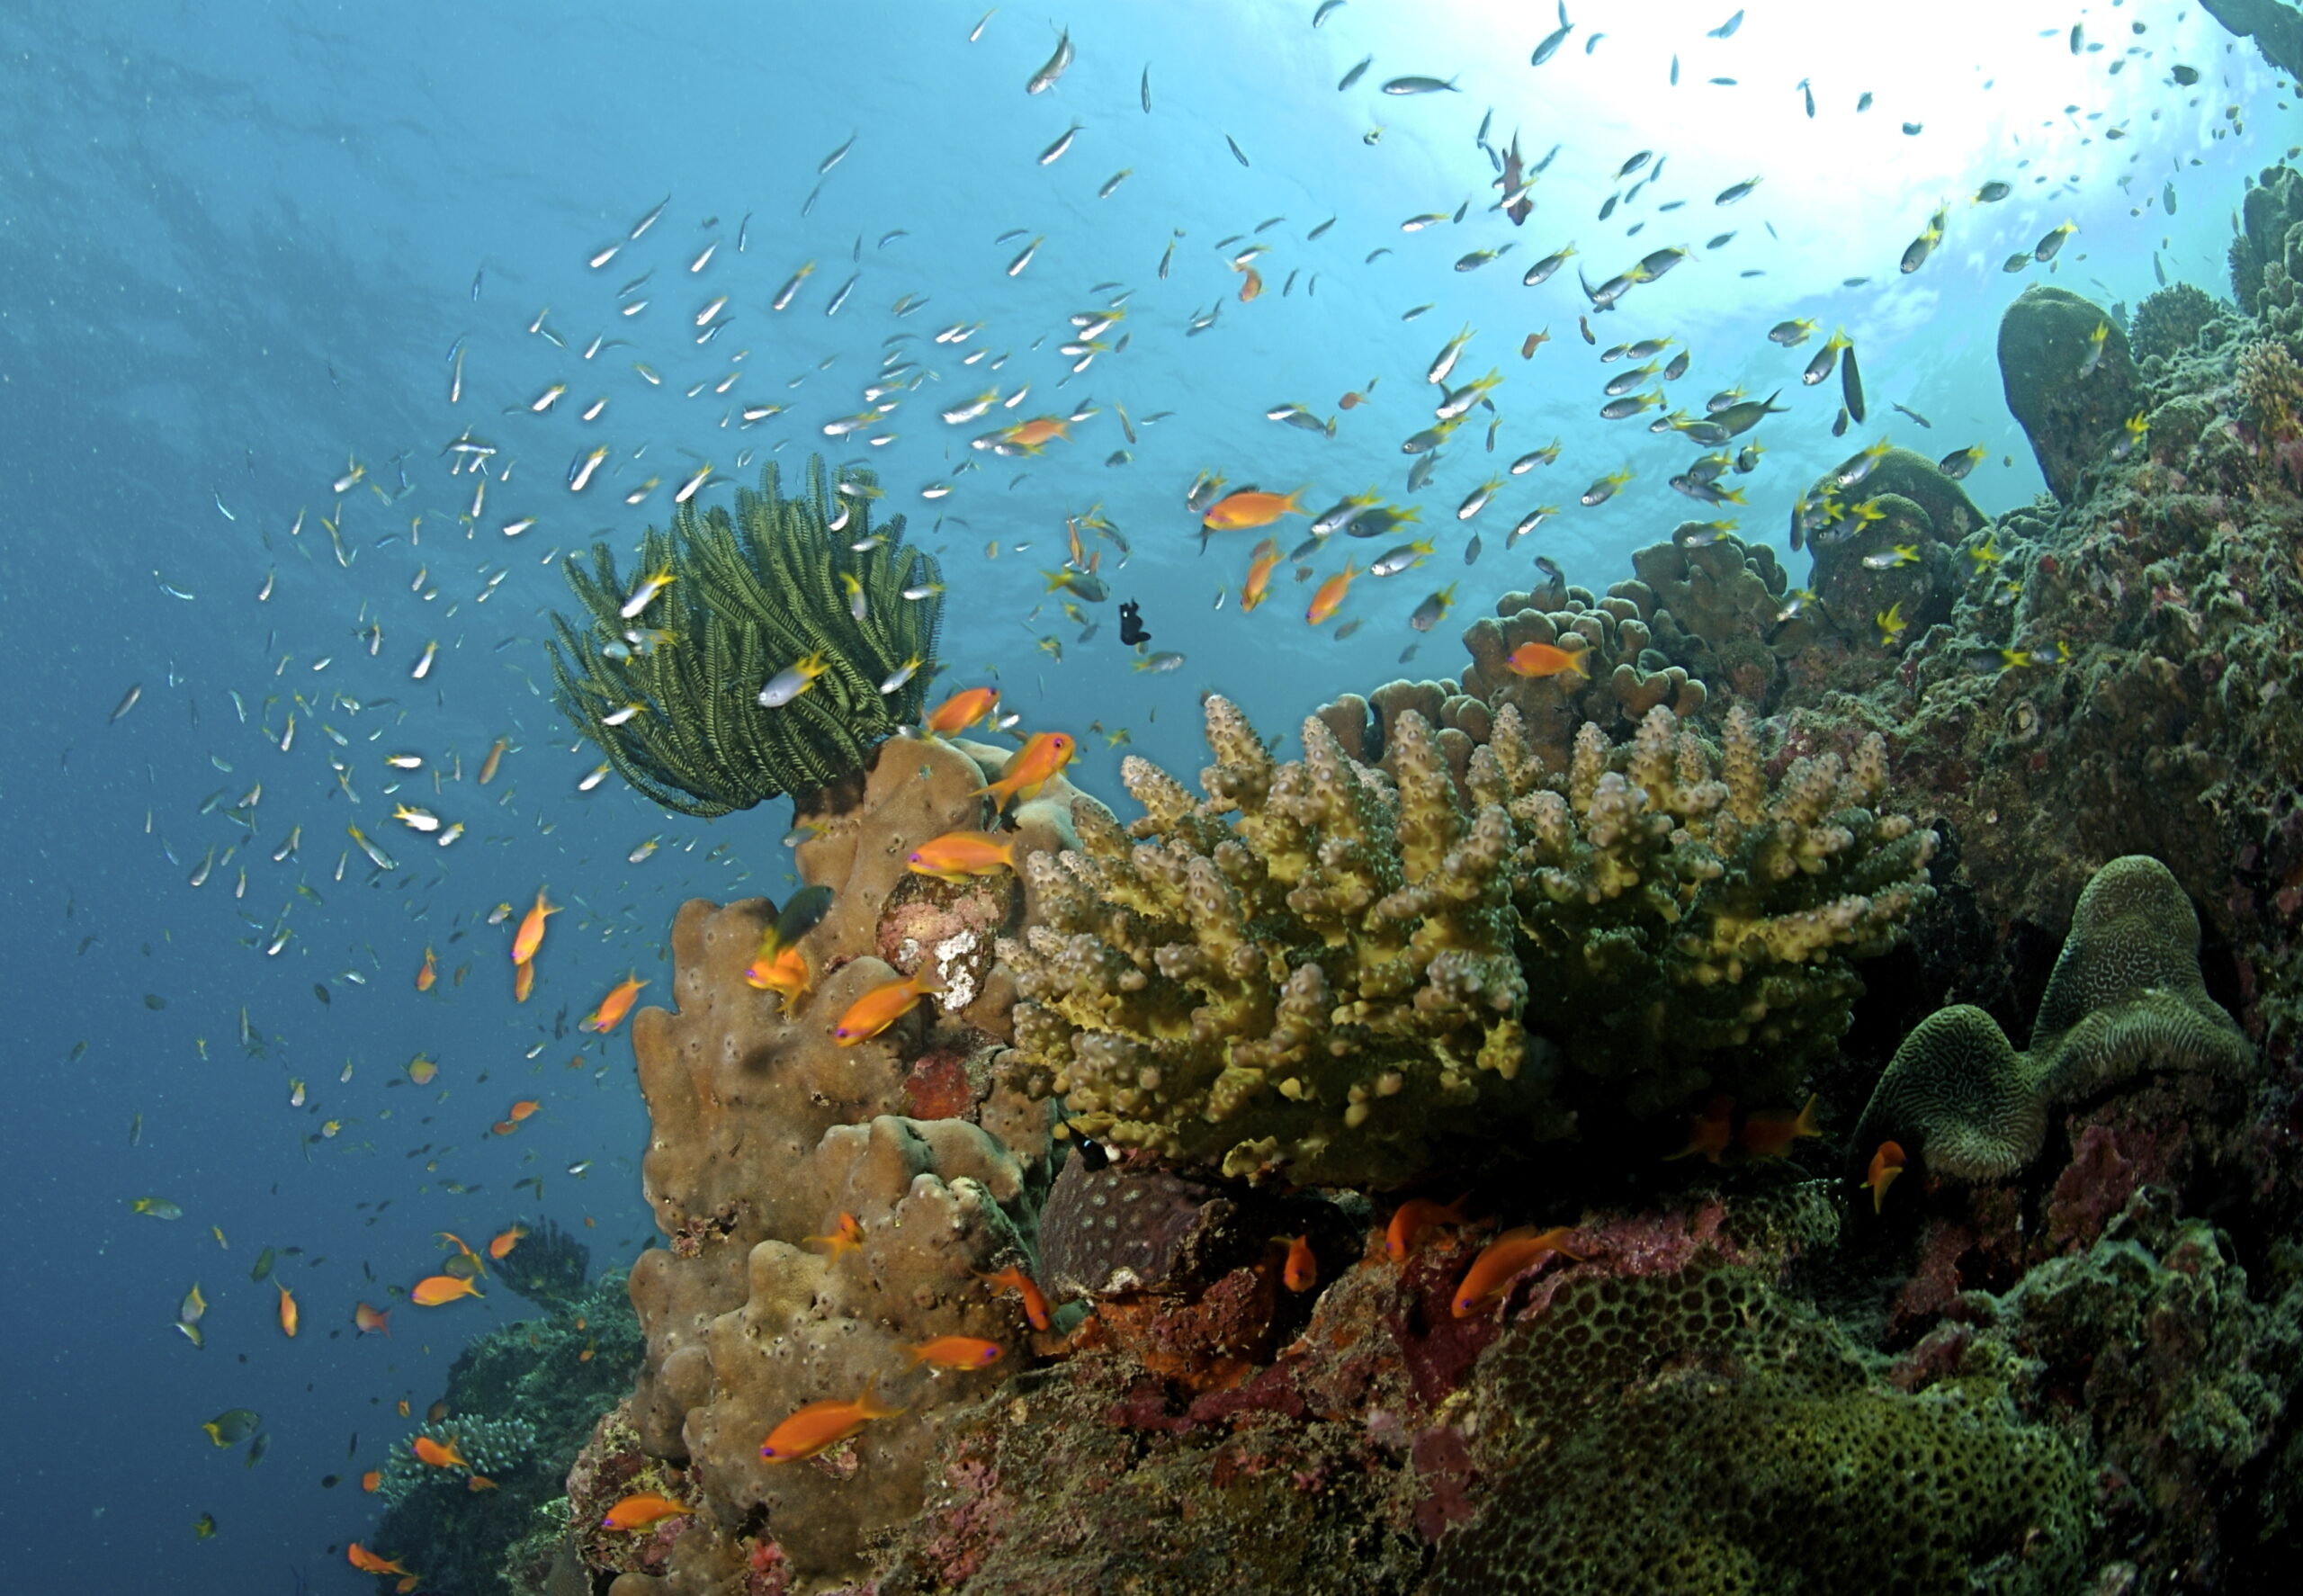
(1324,984)
(2069,395)
(2125,996)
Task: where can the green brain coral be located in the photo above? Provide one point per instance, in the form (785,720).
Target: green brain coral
(2125,996)
(753,594)
(1322,965)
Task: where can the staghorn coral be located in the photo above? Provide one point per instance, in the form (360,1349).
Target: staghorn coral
(2071,415)
(2126,996)
(1744,1439)
(1323,985)
(754,593)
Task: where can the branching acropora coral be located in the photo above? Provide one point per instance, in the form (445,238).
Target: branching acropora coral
(780,582)
(1318,967)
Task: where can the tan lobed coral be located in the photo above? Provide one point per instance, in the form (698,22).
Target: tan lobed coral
(2126,996)
(765,1133)
(1324,983)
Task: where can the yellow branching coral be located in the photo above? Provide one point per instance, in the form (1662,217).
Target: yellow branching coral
(1311,969)
(1320,965)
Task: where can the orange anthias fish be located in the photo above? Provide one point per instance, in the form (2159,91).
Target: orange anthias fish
(1037,763)
(370,1320)
(503,1244)
(367,1562)
(957,856)
(524,980)
(1328,596)
(437,1454)
(530,936)
(1036,434)
(1251,284)
(289,1317)
(784,972)
(1258,587)
(820,1424)
(495,757)
(1412,1217)
(637,1513)
(519,1111)
(962,710)
(479,1482)
(1533,341)
(1543,660)
(1710,1133)
(882,1006)
(614,1007)
(1302,1270)
(1034,1305)
(372,1481)
(1885,1165)
(1505,1259)
(843,1237)
(463,1247)
(1770,1135)
(954,1351)
(435,1290)
(1249,507)
(429,974)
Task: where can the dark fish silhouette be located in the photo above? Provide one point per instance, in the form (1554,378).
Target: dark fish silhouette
(1131,624)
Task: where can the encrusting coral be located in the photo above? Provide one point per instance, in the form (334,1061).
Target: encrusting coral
(1322,985)
(2125,996)
(753,594)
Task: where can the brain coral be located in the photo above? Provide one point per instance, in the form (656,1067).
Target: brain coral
(1317,969)
(2125,996)
(1696,1433)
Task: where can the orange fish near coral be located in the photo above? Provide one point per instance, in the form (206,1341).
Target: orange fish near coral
(1710,1133)
(1328,596)
(1885,1165)
(436,1290)
(1302,1270)
(820,1424)
(1543,660)
(479,1482)
(882,1006)
(1031,768)
(288,1317)
(1412,1217)
(637,1512)
(370,1320)
(783,973)
(439,1454)
(954,1351)
(614,1007)
(372,1481)
(1034,1305)
(530,936)
(367,1562)
(1505,1259)
(957,856)
(502,1245)
(1258,587)
(1036,434)
(1770,1135)
(843,1237)
(524,980)
(961,711)
(429,974)
(1249,507)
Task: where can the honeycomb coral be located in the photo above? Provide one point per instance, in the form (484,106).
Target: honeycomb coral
(2125,996)
(2169,322)
(1694,1432)
(1324,984)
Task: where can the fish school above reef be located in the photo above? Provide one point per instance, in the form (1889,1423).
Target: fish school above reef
(1556,1098)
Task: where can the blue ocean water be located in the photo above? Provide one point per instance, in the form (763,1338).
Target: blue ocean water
(243,251)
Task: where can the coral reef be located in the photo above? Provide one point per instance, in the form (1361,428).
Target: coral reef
(520,1402)
(1322,986)
(2169,322)
(2126,996)
(2069,395)
(753,595)
(2267,254)
(548,1266)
